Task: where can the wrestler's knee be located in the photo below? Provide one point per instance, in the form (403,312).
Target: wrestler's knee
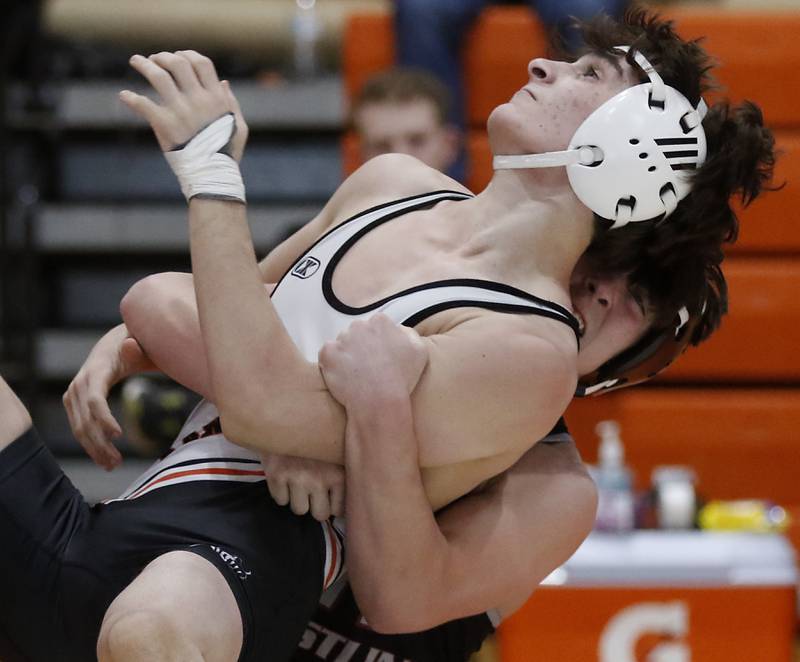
(140,634)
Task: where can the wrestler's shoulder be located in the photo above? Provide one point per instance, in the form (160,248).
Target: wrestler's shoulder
(407,174)
(390,177)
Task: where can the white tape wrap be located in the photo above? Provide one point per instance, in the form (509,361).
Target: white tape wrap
(202,169)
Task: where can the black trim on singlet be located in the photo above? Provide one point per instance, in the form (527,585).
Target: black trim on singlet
(188,463)
(551,309)
(383,205)
(497,306)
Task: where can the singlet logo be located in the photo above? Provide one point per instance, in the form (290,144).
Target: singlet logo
(234,562)
(306,267)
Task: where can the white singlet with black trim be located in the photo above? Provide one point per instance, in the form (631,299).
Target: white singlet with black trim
(313,315)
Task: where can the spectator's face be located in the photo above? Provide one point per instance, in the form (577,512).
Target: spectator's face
(545,113)
(411,127)
(612,315)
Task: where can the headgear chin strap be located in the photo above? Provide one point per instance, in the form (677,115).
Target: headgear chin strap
(629,161)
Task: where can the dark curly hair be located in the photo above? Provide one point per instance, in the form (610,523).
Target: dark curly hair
(676,261)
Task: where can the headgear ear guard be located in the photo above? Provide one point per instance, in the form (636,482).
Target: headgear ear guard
(628,160)
(645,359)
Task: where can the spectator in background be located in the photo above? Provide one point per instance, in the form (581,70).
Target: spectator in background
(430,34)
(406,111)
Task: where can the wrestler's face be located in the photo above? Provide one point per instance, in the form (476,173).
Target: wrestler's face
(410,127)
(545,113)
(613,315)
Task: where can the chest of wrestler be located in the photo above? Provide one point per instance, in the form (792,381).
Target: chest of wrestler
(411,250)
(407,260)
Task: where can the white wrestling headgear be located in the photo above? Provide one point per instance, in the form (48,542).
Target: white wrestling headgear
(629,160)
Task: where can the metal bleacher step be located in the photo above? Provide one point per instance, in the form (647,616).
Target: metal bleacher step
(61,352)
(296,168)
(315,104)
(105,152)
(161,228)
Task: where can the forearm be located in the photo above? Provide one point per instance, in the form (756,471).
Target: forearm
(269,396)
(396,553)
(107,357)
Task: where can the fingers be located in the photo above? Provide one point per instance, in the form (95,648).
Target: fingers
(203,67)
(141,105)
(92,424)
(299,501)
(159,77)
(181,70)
(305,485)
(320,506)
(279,489)
(106,423)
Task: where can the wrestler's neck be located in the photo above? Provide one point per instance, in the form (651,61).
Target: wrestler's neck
(531,222)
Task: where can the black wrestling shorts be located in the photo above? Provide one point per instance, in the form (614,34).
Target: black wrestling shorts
(62,561)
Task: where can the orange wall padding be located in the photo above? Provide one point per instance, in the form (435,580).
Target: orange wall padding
(760,337)
(741,442)
(757,53)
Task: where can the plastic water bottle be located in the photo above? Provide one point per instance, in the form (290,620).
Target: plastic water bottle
(615,508)
(306,30)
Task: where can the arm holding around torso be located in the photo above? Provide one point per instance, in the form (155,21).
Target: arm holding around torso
(488,550)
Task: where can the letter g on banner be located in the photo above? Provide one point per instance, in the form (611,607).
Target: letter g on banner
(669,619)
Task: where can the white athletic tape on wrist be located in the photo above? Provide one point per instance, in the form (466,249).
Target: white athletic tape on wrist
(202,169)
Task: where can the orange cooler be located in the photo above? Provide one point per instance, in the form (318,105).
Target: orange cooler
(654,596)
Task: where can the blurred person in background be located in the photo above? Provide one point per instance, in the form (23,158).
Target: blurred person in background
(430,35)
(405,111)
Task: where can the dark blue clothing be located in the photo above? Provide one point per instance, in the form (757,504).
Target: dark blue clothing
(430,34)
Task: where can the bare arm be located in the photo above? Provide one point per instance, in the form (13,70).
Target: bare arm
(475,401)
(409,570)
(489,550)
(161,312)
(115,356)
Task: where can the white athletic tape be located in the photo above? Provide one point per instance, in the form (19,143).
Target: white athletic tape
(202,169)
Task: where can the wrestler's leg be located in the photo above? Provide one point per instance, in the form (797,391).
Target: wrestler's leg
(14,418)
(40,513)
(179,608)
